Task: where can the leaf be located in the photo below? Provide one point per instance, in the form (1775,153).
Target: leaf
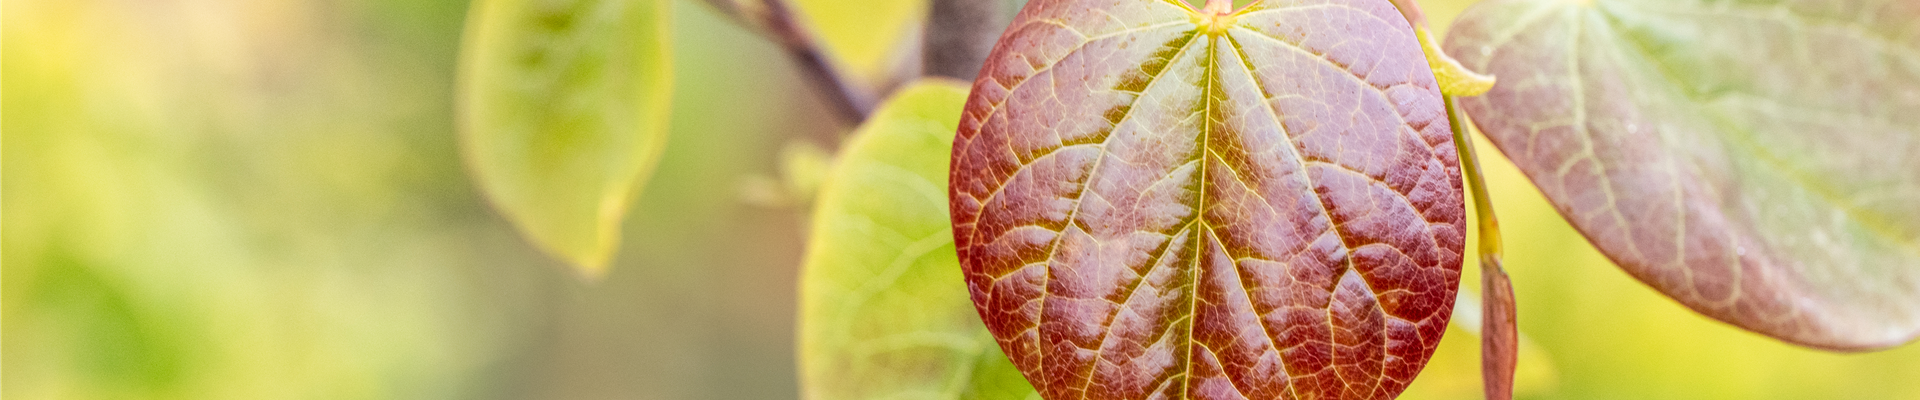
(882,312)
(1152,201)
(563,111)
(1760,163)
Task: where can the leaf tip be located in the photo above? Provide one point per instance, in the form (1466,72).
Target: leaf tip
(586,250)
(590,271)
(588,259)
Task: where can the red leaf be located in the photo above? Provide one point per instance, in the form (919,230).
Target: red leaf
(1151,201)
(1758,163)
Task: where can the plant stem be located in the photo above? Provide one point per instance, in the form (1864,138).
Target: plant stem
(959,35)
(773,18)
(1499,336)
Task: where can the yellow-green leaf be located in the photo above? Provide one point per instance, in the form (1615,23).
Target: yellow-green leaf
(884,313)
(563,105)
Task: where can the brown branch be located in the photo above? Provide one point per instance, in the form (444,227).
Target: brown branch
(959,35)
(776,20)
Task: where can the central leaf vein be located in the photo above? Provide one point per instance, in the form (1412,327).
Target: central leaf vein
(1200,214)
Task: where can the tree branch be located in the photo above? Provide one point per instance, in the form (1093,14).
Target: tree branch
(774,19)
(959,35)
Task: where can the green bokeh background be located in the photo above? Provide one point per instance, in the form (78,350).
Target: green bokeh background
(262,199)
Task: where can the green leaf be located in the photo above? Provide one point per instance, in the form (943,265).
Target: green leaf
(883,311)
(1759,161)
(563,111)
(1154,201)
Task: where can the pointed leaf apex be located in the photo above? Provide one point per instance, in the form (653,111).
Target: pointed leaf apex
(588,258)
(590,270)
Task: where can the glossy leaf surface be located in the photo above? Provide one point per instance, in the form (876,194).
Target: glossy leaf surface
(1759,161)
(563,112)
(1152,202)
(882,313)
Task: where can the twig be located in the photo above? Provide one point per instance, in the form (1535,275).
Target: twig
(774,19)
(959,35)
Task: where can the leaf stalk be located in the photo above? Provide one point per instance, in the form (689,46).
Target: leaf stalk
(1499,334)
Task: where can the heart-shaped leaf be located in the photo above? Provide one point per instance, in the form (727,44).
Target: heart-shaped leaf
(882,316)
(1151,200)
(1758,161)
(563,108)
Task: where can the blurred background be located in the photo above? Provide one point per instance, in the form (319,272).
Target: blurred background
(263,199)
